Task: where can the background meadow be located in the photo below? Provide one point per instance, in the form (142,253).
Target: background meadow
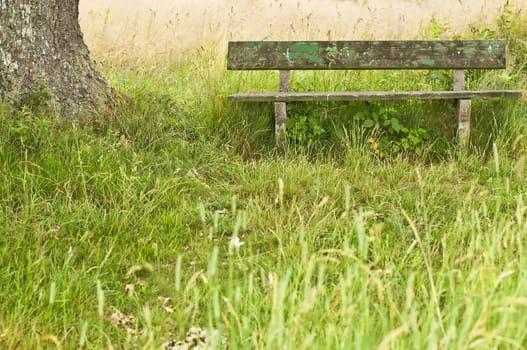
(161,30)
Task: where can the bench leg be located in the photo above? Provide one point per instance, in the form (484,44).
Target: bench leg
(280,110)
(280,117)
(463,108)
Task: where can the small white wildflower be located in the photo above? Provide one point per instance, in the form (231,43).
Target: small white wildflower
(236,242)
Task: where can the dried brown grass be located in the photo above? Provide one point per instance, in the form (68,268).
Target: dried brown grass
(161,30)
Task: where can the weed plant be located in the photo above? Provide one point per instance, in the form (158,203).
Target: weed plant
(175,211)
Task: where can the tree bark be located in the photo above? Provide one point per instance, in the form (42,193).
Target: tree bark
(42,47)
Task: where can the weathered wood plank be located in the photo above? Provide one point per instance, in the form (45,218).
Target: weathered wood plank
(450,54)
(368,95)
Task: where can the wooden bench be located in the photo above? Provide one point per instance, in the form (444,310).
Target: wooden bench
(285,56)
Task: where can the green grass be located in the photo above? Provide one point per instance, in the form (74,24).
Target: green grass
(340,249)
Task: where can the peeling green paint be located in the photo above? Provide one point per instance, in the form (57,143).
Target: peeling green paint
(347,52)
(469,50)
(439,47)
(307,51)
(428,62)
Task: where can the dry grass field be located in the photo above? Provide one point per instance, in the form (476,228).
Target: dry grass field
(157,29)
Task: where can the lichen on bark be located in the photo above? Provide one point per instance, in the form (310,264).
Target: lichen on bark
(41,44)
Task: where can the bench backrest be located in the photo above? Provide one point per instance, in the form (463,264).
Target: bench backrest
(435,54)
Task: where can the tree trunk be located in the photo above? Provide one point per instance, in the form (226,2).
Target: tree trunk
(42,49)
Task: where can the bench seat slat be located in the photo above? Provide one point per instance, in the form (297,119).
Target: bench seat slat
(368,95)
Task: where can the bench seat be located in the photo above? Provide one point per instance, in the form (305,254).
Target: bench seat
(369,95)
